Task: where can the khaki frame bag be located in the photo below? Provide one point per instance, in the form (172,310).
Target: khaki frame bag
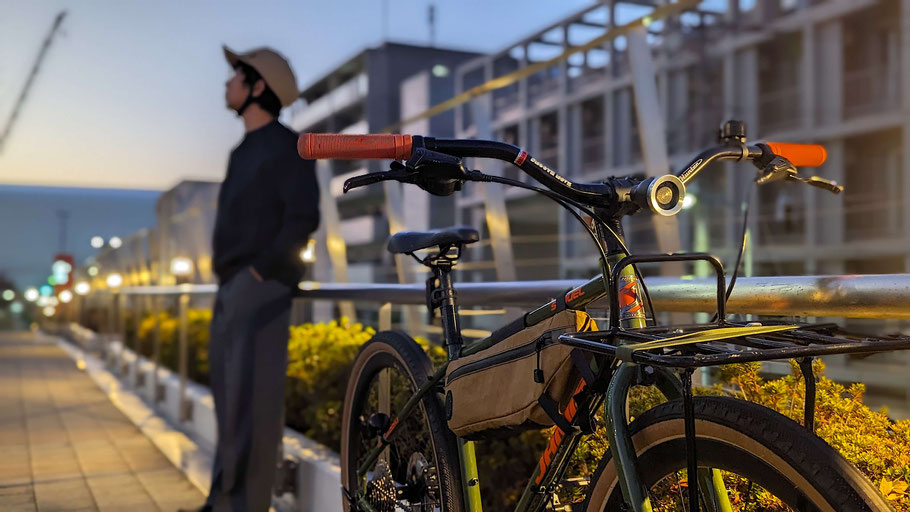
(520,383)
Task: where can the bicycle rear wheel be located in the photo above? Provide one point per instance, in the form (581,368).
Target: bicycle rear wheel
(769,462)
(419,471)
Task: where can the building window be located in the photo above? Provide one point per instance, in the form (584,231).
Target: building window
(549,140)
(872,61)
(781,214)
(510,136)
(872,186)
(779,95)
(592,134)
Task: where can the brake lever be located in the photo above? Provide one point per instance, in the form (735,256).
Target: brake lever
(822,183)
(778,169)
(397,173)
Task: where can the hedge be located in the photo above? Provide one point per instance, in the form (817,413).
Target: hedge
(320,357)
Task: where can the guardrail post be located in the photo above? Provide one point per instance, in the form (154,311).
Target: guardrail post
(185,411)
(157,388)
(385,378)
(385,317)
(121,330)
(142,307)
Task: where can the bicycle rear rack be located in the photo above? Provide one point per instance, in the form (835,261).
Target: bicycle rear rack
(681,346)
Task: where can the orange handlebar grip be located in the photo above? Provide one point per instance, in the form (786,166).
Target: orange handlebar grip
(800,155)
(314,146)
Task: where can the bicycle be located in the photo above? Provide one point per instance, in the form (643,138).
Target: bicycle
(400,450)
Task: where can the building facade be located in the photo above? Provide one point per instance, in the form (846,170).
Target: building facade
(363,95)
(835,72)
(827,71)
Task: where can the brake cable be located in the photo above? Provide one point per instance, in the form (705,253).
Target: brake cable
(565,202)
(742,249)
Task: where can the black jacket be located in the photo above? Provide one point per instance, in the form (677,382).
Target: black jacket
(268,206)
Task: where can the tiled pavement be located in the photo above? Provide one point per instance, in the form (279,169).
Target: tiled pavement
(65,447)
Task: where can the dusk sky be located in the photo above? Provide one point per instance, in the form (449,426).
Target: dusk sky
(131,93)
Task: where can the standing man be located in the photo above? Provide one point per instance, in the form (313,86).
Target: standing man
(267,209)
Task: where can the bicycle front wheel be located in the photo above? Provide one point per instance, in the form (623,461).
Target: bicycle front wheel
(419,470)
(768,461)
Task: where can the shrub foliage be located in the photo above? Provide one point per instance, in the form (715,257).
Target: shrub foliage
(320,357)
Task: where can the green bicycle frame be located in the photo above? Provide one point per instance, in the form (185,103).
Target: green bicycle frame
(562,445)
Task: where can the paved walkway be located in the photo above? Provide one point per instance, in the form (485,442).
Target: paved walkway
(65,447)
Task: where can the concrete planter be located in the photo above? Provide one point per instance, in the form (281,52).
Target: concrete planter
(189,442)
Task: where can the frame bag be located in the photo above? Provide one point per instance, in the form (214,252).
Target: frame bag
(519,383)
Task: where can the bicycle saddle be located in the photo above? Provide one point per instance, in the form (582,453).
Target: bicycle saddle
(410,241)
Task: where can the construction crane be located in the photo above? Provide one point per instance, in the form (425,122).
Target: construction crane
(17,107)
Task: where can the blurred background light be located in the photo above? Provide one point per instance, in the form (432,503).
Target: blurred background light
(181,266)
(31,294)
(114,280)
(82,288)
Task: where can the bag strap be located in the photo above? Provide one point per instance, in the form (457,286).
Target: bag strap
(583,366)
(550,407)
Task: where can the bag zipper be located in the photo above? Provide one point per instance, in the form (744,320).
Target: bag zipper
(525,350)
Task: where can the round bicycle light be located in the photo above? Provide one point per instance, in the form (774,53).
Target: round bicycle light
(666,194)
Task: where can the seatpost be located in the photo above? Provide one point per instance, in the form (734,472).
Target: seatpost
(444,295)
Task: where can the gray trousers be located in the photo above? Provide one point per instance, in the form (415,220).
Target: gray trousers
(248,356)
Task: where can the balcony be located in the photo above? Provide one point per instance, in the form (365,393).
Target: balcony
(341,97)
(779,109)
(868,217)
(593,154)
(550,157)
(871,90)
(542,85)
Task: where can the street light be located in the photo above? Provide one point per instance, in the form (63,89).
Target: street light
(45,301)
(66,296)
(31,294)
(82,288)
(308,254)
(61,270)
(115,242)
(181,266)
(97,242)
(689,201)
(16,308)
(9,295)
(49,311)
(114,280)
(93,271)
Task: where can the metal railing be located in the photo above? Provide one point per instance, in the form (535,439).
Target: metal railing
(882,296)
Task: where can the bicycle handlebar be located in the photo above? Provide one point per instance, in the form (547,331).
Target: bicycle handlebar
(404,147)
(800,155)
(314,146)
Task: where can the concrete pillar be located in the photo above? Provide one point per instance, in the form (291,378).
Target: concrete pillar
(330,245)
(566,143)
(828,214)
(829,72)
(730,112)
(497,217)
(809,103)
(652,133)
(905,135)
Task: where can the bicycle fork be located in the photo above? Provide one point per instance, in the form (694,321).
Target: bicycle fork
(709,481)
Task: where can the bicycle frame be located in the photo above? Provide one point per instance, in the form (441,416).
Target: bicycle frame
(628,309)
(610,201)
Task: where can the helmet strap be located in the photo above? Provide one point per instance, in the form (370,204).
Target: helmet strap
(249,101)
